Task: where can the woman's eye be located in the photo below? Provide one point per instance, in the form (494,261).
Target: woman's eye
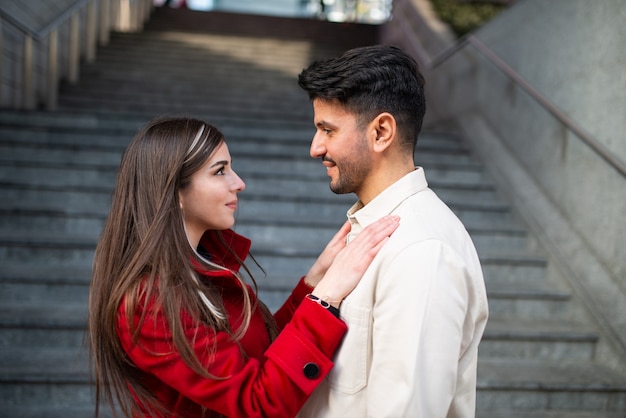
(220,172)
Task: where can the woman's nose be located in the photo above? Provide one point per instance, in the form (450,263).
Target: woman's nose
(238,184)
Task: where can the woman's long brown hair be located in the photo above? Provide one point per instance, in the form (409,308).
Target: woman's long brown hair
(143,254)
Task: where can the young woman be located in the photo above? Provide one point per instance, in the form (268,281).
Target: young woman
(175,329)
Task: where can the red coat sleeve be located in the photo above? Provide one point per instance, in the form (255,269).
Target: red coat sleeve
(295,363)
(285,312)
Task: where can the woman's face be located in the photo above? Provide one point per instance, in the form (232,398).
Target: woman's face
(210,200)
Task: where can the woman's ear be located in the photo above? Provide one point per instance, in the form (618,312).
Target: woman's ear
(384,126)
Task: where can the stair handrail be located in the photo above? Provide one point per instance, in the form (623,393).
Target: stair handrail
(470,39)
(42,33)
(30,84)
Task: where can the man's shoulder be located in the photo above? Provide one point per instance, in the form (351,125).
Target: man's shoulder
(425,213)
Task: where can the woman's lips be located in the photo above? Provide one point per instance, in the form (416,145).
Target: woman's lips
(232,205)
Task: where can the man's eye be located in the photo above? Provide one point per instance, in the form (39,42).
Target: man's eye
(326,131)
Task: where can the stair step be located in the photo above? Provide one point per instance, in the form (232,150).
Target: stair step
(106,121)
(52,155)
(35,327)
(51,289)
(113,118)
(537,339)
(61,140)
(40,273)
(511,268)
(60,252)
(531,385)
(40,283)
(174,49)
(542,413)
(58,177)
(68,410)
(37,223)
(53,201)
(526,300)
(65,398)
(212,112)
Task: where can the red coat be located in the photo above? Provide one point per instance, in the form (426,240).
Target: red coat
(266,380)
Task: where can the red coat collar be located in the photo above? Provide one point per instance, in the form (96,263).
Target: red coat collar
(219,252)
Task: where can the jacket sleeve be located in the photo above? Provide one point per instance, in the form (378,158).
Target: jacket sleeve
(284,313)
(296,362)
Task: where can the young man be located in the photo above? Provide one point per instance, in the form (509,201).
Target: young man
(417,316)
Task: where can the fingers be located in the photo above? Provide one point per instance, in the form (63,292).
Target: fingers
(353,260)
(324,260)
(340,236)
(378,231)
(385,225)
(374,251)
(362,250)
(345,228)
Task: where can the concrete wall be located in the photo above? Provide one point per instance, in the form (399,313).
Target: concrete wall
(572,51)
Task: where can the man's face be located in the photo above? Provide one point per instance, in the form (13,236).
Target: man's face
(342,146)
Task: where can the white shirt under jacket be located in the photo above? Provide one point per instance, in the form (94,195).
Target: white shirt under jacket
(414,320)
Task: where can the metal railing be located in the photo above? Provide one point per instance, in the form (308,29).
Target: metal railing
(554,110)
(35,67)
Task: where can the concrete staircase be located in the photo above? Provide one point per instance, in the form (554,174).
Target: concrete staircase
(238,72)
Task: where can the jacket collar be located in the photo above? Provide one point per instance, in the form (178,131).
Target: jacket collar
(387,201)
(219,251)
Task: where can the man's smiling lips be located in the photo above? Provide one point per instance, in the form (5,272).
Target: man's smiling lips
(328,164)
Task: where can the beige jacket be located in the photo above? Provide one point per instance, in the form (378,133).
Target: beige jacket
(415,319)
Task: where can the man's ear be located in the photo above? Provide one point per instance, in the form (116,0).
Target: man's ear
(383,127)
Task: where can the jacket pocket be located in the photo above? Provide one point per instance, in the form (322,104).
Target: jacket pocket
(349,375)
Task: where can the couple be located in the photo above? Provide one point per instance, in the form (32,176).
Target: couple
(387,321)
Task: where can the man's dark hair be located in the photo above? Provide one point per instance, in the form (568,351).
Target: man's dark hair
(371,80)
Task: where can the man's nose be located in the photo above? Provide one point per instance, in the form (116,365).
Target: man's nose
(317,149)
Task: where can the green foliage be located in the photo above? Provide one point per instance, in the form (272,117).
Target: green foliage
(465,16)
